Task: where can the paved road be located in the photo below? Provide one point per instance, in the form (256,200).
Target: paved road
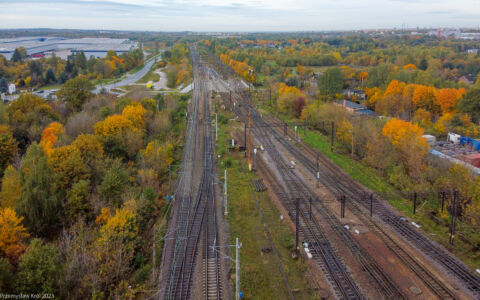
(130,79)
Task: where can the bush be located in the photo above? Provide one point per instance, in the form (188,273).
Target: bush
(40,269)
(113,184)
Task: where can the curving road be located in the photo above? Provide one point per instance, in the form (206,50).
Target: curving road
(130,79)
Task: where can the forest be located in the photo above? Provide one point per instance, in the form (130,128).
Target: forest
(84,190)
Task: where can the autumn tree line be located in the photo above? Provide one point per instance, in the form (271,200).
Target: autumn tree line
(179,68)
(83,184)
(34,73)
(414,84)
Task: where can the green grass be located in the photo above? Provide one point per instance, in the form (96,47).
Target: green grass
(260,276)
(150,76)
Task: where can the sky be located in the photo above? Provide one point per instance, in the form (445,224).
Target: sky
(237,15)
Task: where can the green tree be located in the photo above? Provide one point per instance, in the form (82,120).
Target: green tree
(331,82)
(75,92)
(470,103)
(379,75)
(81,61)
(3,85)
(6,276)
(8,148)
(38,203)
(423,64)
(50,76)
(11,189)
(19,54)
(77,200)
(40,269)
(113,184)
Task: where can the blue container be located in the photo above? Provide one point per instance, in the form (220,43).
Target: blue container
(476,145)
(465,140)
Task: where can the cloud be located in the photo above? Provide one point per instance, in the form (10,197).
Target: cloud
(236,15)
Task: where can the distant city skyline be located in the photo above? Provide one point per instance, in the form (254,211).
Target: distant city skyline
(232,15)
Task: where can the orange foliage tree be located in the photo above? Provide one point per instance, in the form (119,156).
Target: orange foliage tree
(12,234)
(50,136)
(447,99)
(410,67)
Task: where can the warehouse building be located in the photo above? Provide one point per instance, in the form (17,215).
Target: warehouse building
(41,46)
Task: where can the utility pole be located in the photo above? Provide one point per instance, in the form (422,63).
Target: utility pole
(342,206)
(249,138)
(414,202)
(254,158)
(270,96)
(226,196)
(443,200)
(371,205)
(310,207)
(154,252)
(454,217)
(285,129)
(245,138)
(295,132)
(333,136)
(237,270)
(297,222)
(352,152)
(216,127)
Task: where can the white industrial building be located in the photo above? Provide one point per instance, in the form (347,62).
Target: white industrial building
(38,46)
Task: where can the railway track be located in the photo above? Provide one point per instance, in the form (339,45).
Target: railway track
(384,284)
(194,217)
(322,251)
(340,184)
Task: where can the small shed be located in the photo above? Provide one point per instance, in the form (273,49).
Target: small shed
(431,140)
(454,138)
(11,88)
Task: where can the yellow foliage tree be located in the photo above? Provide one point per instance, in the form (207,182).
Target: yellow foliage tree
(411,146)
(12,234)
(89,146)
(135,113)
(67,162)
(113,125)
